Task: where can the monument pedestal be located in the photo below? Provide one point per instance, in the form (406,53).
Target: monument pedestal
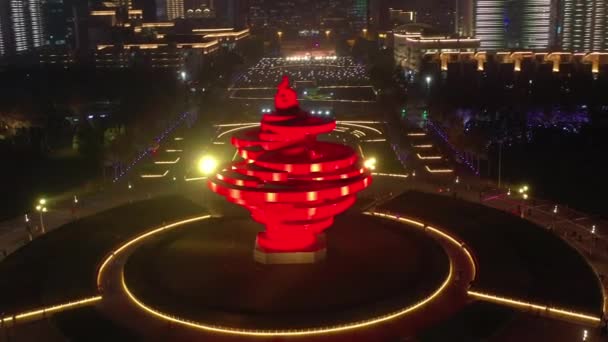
(315,254)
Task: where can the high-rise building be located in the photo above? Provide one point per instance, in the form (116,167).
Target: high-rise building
(123,3)
(21,26)
(175,9)
(463,12)
(538,24)
(583,25)
(4,20)
(509,24)
(55,22)
(379,17)
(232,13)
(359,14)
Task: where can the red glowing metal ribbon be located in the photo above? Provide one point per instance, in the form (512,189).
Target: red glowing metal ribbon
(289,181)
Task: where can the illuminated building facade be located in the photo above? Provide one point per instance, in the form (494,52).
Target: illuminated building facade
(410,48)
(463,12)
(3,29)
(21,26)
(175,9)
(583,25)
(508,24)
(359,13)
(170,9)
(55,23)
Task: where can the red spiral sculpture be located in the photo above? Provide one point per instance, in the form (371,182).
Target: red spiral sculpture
(289,181)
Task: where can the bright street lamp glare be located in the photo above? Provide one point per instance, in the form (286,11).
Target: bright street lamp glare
(44,210)
(207,165)
(370,163)
(38,207)
(42,201)
(428,79)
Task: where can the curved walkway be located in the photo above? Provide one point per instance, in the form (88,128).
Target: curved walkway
(119,302)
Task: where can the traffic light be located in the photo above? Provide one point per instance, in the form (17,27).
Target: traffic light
(425,114)
(403,112)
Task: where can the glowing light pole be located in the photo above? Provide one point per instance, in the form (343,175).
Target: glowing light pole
(28,228)
(524,195)
(41,208)
(207,165)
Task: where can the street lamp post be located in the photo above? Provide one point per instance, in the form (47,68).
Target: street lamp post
(41,208)
(428,80)
(524,195)
(28,229)
(207,166)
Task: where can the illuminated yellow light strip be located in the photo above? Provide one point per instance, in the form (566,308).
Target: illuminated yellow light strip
(360,122)
(300,99)
(178,138)
(167,161)
(338,122)
(194,179)
(227,34)
(247,332)
(51,309)
(237,124)
(360,126)
(236,129)
(437,231)
(416,134)
(155,176)
(219,143)
(423,146)
(139,238)
(159,24)
(428,157)
(103,13)
(528,305)
(228,29)
(174,151)
(374,140)
(438,170)
(389,174)
(299,332)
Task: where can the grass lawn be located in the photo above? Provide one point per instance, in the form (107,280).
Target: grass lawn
(478,321)
(206,272)
(516,258)
(88,325)
(62,265)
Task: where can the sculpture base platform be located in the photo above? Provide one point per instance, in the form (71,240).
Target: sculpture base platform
(315,254)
